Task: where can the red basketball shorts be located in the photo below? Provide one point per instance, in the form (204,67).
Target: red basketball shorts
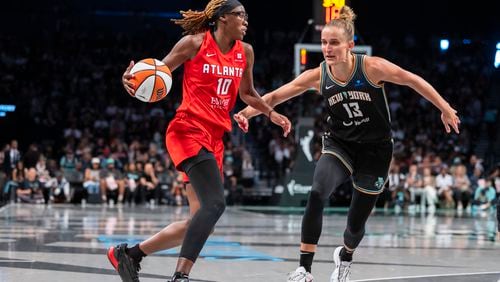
(185,137)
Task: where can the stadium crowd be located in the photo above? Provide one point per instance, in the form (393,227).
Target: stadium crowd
(85,138)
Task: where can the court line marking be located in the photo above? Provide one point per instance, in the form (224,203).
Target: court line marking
(427,276)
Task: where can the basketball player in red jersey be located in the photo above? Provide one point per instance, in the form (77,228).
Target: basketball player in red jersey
(216,65)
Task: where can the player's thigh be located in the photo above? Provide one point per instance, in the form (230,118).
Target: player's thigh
(372,167)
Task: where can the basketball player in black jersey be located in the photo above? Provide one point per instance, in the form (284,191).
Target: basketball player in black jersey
(358,143)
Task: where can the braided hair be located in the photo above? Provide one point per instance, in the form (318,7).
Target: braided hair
(194,22)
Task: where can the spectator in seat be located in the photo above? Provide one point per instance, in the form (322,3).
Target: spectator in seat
(149,184)
(31,190)
(444,183)
(111,183)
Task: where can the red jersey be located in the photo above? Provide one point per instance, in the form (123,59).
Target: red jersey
(211,83)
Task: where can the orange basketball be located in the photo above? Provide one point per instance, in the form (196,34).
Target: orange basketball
(152,80)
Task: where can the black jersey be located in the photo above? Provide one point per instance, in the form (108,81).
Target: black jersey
(358,109)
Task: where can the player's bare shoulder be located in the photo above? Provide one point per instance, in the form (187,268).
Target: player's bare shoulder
(313,73)
(190,44)
(310,78)
(248,48)
(197,39)
(374,68)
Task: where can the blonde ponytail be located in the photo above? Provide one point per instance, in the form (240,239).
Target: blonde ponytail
(345,21)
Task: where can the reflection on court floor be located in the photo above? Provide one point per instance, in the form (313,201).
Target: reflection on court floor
(67,243)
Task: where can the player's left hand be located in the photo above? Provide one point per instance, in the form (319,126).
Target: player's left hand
(450,118)
(242,121)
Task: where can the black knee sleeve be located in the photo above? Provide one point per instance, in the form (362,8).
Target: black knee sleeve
(328,175)
(215,208)
(312,221)
(361,207)
(207,183)
(352,239)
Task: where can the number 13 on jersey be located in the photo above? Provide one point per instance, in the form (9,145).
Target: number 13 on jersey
(353,110)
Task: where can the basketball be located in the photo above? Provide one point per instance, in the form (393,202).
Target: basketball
(152,80)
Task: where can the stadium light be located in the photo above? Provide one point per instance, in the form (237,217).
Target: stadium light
(5,108)
(496,63)
(444,44)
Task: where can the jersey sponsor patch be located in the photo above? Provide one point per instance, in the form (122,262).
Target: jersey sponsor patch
(238,57)
(358,83)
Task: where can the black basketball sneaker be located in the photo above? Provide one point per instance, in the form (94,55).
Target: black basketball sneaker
(126,266)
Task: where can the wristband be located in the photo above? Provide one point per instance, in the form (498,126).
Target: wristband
(269,114)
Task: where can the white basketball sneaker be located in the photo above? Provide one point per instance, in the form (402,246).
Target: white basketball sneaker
(300,275)
(342,270)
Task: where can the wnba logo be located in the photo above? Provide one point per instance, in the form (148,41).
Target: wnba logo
(380,182)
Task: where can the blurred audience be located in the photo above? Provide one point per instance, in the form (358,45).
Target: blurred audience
(91,135)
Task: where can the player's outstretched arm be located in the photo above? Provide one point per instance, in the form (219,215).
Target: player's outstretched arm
(250,96)
(305,81)
(380,70)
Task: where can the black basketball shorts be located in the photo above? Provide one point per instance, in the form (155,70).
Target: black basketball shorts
(368,162)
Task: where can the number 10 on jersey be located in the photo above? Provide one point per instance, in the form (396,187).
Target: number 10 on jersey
(223,85)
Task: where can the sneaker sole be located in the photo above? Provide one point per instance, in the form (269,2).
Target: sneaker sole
(112,259)
(336,261)
(336,255)
(125,273)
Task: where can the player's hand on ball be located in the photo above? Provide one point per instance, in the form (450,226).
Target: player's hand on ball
(242,121)
(282,121)
(450,118)
(129,86)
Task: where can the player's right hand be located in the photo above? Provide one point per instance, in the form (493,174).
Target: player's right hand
(282,121)
(127,84)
